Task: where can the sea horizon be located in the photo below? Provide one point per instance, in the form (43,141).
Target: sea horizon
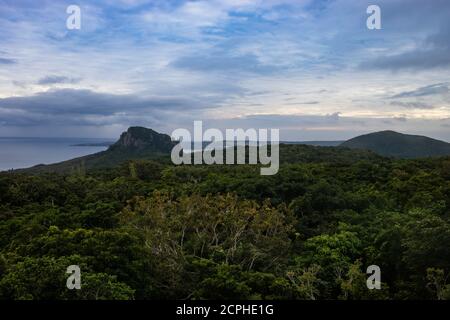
(25,152)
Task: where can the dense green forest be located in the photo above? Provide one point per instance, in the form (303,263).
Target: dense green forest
(149,230)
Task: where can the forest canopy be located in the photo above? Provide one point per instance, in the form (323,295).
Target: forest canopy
(150,230)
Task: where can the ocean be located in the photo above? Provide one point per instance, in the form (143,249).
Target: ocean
(16,153)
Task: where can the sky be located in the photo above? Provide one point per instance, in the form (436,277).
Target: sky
(310,68)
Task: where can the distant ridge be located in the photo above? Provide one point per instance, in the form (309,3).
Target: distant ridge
(317,143)
(138,143)
(399,145)
(134,144)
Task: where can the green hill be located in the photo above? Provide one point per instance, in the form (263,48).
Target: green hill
(394,144)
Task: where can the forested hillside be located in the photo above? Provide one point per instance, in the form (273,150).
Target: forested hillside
(150,230)
(394,144)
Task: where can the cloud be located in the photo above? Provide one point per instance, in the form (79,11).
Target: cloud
(415,37)
(431,53)
(402,119)
(53,79)
(7,61)
(416,60)
(20,84)
(287,121)
(85,106)
(301,103)
(194,18)
(215,62)
(170,62)
(412,105)
(434,89)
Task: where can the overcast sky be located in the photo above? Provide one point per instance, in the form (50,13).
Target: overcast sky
(310,68)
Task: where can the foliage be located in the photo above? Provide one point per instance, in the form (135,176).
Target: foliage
(146,229)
